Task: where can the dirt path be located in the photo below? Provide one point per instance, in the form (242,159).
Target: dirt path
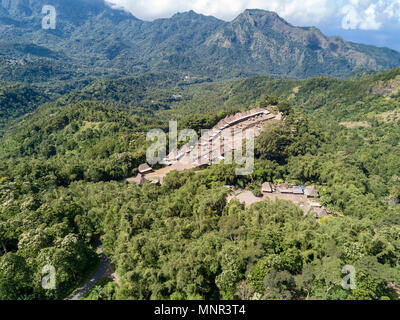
(104,270)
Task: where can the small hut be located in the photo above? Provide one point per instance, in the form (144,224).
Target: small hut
(311,192)
(145,168)
(267,188)
(321,212)
(298,190)
(284,188)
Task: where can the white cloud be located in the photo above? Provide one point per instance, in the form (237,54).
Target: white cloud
(353,14)
(356,19)
(370,15)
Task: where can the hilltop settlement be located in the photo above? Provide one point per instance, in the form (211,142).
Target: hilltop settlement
(214,145)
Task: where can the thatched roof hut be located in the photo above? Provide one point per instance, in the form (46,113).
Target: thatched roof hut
(321,212)
(311,192)
(267,188)
(284,188)
(145,168)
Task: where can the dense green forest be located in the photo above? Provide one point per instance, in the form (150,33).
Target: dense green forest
(62,163)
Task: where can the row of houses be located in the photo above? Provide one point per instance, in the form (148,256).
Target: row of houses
(209,149)
(202,148)
(309,192)
(302,192)
(240,117)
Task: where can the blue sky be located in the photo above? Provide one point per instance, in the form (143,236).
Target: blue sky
(374,22)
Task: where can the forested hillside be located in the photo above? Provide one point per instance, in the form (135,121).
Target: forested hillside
(17,100)
(62,164)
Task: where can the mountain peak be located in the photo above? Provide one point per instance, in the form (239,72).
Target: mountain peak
(191,15)
(259,17)
(187,14)
(261,12)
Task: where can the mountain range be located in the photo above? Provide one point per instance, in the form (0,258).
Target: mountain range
(94,39)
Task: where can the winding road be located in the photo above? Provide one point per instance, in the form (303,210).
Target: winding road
(104,270)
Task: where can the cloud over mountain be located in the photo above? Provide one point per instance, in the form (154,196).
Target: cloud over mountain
(348,14)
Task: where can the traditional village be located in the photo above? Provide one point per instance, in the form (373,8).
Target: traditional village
(212,148)
(306,197)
